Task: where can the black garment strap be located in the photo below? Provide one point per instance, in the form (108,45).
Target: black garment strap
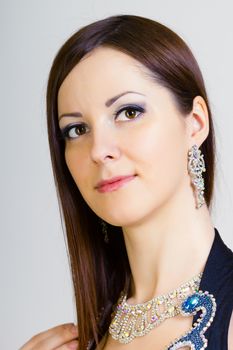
(217,279)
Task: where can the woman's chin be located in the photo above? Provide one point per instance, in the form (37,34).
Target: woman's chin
(121,220)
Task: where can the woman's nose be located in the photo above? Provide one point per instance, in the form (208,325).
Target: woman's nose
(104,145)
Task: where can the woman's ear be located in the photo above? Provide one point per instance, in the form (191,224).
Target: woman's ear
(197,122)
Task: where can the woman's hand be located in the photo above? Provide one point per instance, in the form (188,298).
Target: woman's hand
(62,337)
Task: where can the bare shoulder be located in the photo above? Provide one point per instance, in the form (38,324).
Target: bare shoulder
(230,333)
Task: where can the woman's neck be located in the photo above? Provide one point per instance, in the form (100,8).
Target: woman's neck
(168,248)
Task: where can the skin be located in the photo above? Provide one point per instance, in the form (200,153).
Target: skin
(62,337)
(156,210)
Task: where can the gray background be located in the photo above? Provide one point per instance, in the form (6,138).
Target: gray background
(36,291)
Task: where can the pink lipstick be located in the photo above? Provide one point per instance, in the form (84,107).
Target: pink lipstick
(113,183)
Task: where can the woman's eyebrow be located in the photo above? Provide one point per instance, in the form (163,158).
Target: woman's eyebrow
(108,103)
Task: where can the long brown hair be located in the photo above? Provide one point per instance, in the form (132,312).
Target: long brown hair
(99,270)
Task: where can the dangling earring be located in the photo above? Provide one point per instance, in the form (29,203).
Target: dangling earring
(196,165)
(104,230)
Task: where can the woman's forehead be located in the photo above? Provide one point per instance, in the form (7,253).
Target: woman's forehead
(107,73)
(107,66)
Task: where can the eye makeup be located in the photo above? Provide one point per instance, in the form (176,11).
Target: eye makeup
(67,131)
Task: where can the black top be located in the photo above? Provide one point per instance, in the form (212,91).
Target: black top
(217,279)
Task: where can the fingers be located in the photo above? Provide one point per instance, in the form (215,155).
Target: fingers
(69,346)
(53,338)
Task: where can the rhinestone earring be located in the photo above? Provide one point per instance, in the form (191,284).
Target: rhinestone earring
(196,165)
(104,230)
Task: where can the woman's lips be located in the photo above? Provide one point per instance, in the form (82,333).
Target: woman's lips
(113,185)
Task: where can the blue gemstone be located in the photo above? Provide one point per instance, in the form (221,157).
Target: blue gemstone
(190,303)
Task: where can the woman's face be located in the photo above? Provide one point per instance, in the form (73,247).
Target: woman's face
(139,134)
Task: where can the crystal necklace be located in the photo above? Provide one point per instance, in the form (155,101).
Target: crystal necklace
(130,321)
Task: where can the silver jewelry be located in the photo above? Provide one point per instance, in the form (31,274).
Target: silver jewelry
(196,165)
(130,321)
(104,230)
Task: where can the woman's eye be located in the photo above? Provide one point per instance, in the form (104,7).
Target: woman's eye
(73,131)
(129,112)
(76,130)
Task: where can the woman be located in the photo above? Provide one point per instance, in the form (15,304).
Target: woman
(133,153)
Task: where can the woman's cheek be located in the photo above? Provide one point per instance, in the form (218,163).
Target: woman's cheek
(76,165)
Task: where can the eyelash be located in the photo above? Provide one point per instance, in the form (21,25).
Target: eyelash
(65,131)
